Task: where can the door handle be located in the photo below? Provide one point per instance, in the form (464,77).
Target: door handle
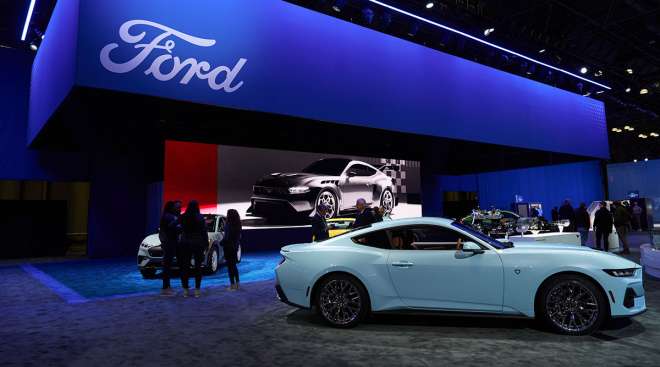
(402,264)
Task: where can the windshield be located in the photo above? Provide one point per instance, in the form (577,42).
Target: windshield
(327,167)
(491,241)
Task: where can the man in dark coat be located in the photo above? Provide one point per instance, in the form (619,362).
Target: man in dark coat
(319,225)
(622,220)
(603,225)
(169,231)
(566,212)
(365,215)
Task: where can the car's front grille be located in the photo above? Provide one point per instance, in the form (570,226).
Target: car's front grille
(265,190)
(156,251)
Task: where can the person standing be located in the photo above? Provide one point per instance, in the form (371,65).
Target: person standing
(637,216)
(583,223)
(566,212)
(230,245)
(602,225)
(365,216)
(622,225)
(319,224)
(168,233)
(194,240)
(555,214)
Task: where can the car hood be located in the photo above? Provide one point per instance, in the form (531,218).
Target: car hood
(151,240)
(606,259)
(289,179)
(532,245)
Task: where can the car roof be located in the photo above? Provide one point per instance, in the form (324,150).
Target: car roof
(411,221)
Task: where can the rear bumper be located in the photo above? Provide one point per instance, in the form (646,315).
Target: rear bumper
(282,297)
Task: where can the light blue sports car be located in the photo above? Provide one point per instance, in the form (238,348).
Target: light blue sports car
(434,264)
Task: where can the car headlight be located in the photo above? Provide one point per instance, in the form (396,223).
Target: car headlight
(621,272)
(298,189)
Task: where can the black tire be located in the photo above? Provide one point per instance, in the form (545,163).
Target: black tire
(148,273)
(572,304)
(326,196)
(336,292)
(210,267)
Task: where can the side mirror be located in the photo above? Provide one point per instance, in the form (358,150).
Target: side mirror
(469,249)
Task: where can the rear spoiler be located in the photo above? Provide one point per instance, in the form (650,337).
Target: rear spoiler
(390,167)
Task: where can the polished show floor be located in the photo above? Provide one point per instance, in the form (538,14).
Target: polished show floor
(109,326)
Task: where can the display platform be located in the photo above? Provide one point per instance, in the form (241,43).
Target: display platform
(571,238)
(650,259)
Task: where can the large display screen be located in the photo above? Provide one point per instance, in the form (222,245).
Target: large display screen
(277,187)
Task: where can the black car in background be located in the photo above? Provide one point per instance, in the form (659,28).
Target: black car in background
(336,182)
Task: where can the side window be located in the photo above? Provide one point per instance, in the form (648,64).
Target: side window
(362,170)
(378,239)
(426,238)
(210,223)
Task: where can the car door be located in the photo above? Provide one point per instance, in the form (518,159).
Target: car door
(357,183)
(428,272)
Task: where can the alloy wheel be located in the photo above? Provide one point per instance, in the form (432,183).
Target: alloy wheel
(214,260)
(340,302)
(572,306)
(387,201)
(329,200)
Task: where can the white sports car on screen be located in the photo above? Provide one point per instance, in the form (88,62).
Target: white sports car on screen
(434,264)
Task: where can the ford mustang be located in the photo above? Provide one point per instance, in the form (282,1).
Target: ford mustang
(434,264)
(335,182)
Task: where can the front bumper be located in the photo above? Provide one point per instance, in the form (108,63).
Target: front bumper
(627,296)
(265,206)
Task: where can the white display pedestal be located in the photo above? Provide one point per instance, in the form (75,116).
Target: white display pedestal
(568,238)
(650,259)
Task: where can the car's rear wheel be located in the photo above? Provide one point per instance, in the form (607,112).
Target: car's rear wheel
(573,305)
(342,301)
(387,201)
(329,199)
(148,273)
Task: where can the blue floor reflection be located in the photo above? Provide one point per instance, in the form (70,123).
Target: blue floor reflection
(99,279)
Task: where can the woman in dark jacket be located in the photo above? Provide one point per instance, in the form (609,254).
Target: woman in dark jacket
(194,240)
(169,238)
(230,245)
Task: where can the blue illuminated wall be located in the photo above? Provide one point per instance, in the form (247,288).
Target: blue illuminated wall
(298,62)
(549,185)
(17,161)
(640,176)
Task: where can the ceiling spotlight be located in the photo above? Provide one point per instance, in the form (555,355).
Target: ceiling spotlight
(542,50)
(600,91)
(643,91)
(488,31)
(33,46)
(583,70)
(616,130)
(643,136)
(628,90)
(635,160)
(629,71)
(598,73)
(429,5)
(654,134)
(646,159)
(339,5)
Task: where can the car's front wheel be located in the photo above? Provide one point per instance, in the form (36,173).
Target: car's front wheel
(572,304)
(342,301)
(213,260)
